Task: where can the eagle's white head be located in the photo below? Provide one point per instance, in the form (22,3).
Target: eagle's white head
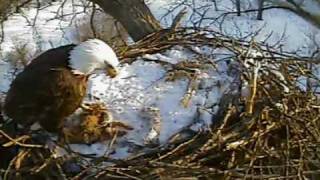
(91,55)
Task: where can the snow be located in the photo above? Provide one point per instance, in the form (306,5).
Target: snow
(5,82)
(142,84)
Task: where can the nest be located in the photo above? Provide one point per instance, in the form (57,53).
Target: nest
(270,132)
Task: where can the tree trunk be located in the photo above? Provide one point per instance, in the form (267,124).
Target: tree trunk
(260,9)
(134,15)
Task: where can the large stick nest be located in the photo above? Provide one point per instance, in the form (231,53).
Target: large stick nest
(271,132)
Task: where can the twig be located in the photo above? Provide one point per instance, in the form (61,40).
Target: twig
(20,144)
(93,29)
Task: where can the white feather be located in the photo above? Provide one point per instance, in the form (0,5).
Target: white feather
(91,55)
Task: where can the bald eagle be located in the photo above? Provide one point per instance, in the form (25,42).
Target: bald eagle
(53,85)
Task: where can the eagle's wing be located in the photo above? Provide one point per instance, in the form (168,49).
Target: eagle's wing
(46,96)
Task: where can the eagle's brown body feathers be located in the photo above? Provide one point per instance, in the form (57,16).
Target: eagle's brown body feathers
(46,91)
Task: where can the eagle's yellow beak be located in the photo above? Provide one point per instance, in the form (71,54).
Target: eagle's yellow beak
(112,72)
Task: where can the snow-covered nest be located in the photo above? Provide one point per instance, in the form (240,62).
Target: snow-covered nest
(201,104)
(158,93)
(235,110)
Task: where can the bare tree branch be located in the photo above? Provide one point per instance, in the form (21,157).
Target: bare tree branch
(92,20)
